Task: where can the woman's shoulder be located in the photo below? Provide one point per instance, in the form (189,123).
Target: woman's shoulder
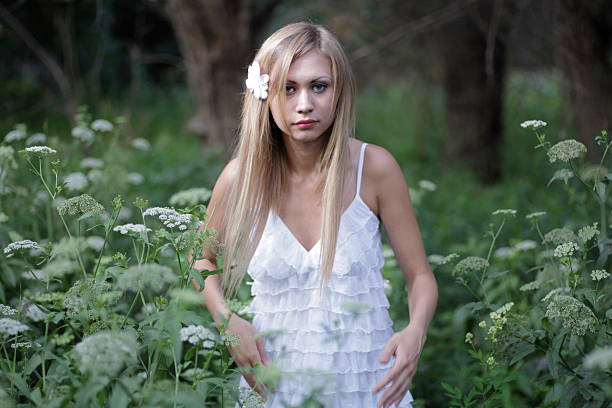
(378,162)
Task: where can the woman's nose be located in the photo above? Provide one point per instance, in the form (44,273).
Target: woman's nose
(304,102)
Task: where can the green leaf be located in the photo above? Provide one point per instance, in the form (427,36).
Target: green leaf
(88,214)
(18,382)
(523,351)
(32,363)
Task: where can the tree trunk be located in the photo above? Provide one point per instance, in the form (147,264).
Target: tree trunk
(474,55)
(581,34)
(217,42)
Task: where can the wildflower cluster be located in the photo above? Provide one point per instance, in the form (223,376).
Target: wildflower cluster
(135,228)
(599,274)
(441,260)
(250,398)
(139,277)
(13,247)
(169,217)
(504,211)
(7,310)
(573,314)
(40,150)
(11,327)
(533,124)
(141,144)
(80,205)
(566,150)
(559,236)
(470,264)
(600,358)
(536,214)
(91,163)
(106,352)
(588,232)
(198,335)
(565,250)
(427,185)
(190,197)
(530,286)
(498,319)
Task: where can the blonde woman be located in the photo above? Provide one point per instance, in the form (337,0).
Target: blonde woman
(299,209)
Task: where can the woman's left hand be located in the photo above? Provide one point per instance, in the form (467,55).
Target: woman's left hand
(406,345)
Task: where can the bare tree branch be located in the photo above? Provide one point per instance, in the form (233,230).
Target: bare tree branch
(54,69)
(422,24)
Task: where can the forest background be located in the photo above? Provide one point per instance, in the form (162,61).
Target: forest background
(443,85)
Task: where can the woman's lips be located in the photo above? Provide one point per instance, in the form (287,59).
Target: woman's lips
(306,124)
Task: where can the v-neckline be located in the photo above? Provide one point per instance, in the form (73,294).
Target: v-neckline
(316,244)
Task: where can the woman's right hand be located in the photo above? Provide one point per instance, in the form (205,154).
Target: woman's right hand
(248,352)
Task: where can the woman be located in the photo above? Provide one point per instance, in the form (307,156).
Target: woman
(299,208)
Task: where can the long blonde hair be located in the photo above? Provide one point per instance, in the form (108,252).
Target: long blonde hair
(262,158)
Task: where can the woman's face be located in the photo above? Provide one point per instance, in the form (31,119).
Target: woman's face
(308,109)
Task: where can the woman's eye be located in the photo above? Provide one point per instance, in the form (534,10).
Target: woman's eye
(318,88)
(289,89)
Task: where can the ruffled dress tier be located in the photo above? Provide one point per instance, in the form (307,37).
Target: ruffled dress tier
(327,348)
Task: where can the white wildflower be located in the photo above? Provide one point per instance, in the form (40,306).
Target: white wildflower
(504,252)
(169,217)
(441,260)
(149,275)
(566,249)
(530,286)
(22,345)
(135,228)
(76,181)
(198,335)
(83,134)
(599,274)
(34,313)
(504,211)
(101,125)
(14,135)
(141,144)
(11,326)
(79,205)
(96,243)
(135,178)
(558,236)
(256,82)
(600,358)
(533,124)
(427,185)
(555,292)
(41,150)
(536,214)
(106,352)
(35,139)
(470,264)
(566,150)
(505,308)
(91,163)
(588,232)
(189,197)
(574,314)
(7,310)
(525,245)
(387,287)
(13,247)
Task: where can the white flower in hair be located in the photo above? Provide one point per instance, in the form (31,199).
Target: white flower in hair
(257,82)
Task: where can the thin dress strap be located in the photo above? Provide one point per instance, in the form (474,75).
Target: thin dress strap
(360,168)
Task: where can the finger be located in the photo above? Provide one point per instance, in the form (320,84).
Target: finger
(393,372)
(262,351)
(255,385)
(385,400)
(388,351)
(399,388)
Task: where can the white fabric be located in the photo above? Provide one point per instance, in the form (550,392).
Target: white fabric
(331,346)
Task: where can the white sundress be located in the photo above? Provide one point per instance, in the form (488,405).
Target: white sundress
(330,348)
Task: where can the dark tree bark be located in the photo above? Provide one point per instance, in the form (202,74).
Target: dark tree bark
(217,40)
(582,32)
(473,50)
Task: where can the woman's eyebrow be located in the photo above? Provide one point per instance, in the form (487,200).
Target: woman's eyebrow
(313,80)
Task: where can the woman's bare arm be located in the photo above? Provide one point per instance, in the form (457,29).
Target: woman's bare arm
(213,295)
